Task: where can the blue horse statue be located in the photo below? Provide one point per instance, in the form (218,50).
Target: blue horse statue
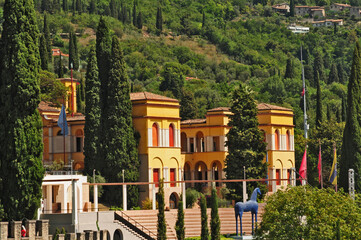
(249,206)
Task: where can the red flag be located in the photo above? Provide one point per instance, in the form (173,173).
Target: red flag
(303,92)
(319,166)
(303,167)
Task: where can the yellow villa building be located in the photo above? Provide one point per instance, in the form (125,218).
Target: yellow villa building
(170,148)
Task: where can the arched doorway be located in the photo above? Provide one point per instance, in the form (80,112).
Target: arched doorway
(118,235)
(184,142)
(217,172)
(200,172)
(187,174)
(200,142)
(173,201)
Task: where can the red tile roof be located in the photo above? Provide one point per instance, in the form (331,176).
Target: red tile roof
(47,107)
(219,109)
(150,96)
(266,106)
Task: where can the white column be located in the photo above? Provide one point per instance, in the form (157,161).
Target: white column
(64,208)
(183,193)
(125,197)
(284,176)
(49,201)
(74,212)
(153,197)
(95,198)
(273,146)
(221,143)
(195,144)
(150,137)
(273,174)
(51,143)
(225,140)
(188,145)
(178,138)
(166,139)
(209,177)
(292,142)
(244,191)
(293,177)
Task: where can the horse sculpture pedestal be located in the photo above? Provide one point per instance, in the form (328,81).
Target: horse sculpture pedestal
(249,206)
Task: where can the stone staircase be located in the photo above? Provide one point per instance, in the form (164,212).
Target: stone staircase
(192,219)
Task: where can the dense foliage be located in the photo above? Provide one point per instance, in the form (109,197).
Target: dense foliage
(245,143)
(215,222)
(161,225)
(308,213)
(204,218)
(179,225)
(21,169)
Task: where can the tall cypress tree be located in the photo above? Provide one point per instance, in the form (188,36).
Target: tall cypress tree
(159,20)
(47,37)
(140,20)
(43,53)
(179,225)
(135,14)
(319,117)
(292,8)
(245,143)
(343,110)
(333,77)
(21,145)
(103,47)
(204,219)
(161,225)
(203,19)
(76,53)
(318,68)
(351,142)
(341,73)
(65,6)
(92,114)
(215,222)
(119,149)
(92,7)
(188,105)
(290,73)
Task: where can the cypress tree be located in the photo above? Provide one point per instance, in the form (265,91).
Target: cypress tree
(113,9)
(351,142)
(135,22)
(333,77)
(65,6)
(60,67)
(173,78)
(119,149)
(341,73)
(318,68)
(343,114)
(92,114)
(188,106)
(159,20)
(290,73)
(43,53)
(204,219)
(21,145)
(292,8)
(215,222)
(71,51)
(47,37)
(45,5)
(245,143)
(140,20)
(161,225)
(80,96)
(76,53)
(179,225)
(78,6)
(319,117)
(92,7)
(203,19)
(329,114)
(103,47)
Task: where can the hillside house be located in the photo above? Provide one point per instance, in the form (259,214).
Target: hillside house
(312,11)
(328,23)
(355,11)
(282,8)
(339,7)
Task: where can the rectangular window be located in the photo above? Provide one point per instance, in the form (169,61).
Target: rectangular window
(172,176)
(156,176)
(216,144)
(79,144)
(191,145)
(278,176)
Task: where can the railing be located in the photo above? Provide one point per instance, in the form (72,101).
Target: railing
(136,226)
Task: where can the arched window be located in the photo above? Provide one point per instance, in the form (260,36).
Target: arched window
(155,135)
(277,140)
(184,142)
(171,135)
(288,140)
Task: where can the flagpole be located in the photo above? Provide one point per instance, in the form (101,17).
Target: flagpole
(304,99)
(319,142)
(334,149)
(64,139)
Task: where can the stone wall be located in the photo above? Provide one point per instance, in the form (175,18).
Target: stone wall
(39,230)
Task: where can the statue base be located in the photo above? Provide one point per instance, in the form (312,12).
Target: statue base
(244,237)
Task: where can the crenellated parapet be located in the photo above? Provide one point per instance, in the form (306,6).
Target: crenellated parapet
(39,230)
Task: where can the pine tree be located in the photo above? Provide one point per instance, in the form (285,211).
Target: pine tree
(45,5)
(179,225)
(292,8)
(173,78)
(135,23)
(60,67)
(204,219)
(76,53)
(333,77)
(80,96)
(113,9)
(65,6)
(43,53)
(319,117)
(161,225)
(203,19)
(103,46)
(341,73)
(92,7)
(47,37)
(140,20)
(21,145)
(188,106)
(290,73)
(159,20)
(78,6)
(351,142)
(245,143)
(215,222)
(119,150)
(92,114)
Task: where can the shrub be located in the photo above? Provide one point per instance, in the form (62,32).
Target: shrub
(192,196)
